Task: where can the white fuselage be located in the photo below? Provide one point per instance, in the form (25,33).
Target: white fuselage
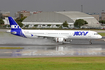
(71,34)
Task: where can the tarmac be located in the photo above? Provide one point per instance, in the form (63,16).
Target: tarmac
(48,48)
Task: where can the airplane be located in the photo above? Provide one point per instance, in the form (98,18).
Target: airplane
(59,36)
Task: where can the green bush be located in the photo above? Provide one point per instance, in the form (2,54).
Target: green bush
(80,22)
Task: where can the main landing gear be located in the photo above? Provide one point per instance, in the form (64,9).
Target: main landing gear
(90,41)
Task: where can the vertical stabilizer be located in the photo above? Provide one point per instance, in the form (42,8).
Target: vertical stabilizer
(13,24)
(15,28)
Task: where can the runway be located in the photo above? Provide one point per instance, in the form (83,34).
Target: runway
(55,51)
(48,48)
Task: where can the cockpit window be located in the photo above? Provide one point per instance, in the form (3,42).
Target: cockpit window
(96,34)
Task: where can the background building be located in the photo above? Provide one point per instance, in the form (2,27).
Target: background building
(23,12)
(103,16)
(44,19)
(95,15)
(5,13)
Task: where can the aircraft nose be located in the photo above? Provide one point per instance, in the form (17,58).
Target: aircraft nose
(100,36)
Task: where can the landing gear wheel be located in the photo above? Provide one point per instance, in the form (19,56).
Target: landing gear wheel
(90,42)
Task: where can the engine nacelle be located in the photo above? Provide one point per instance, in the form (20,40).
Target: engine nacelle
(59,40)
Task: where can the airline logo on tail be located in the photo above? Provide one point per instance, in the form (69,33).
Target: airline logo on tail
(15,26)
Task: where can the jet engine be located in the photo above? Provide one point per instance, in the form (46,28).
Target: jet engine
(59,40)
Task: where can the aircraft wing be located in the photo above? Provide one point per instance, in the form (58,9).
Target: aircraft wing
(53,36)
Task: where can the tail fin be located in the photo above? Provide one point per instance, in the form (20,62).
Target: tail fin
(15,28)
(13,24)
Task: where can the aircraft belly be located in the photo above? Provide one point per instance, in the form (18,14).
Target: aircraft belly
(78,37)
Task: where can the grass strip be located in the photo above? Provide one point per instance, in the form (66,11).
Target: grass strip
(102,34)
(53,63)
(11,48)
